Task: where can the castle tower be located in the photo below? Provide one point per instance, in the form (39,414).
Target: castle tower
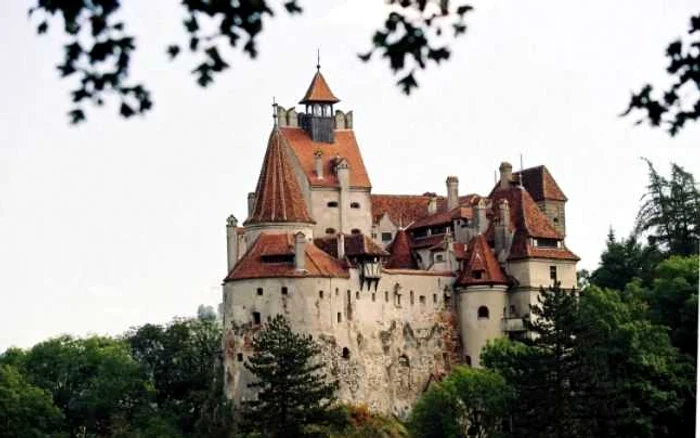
(318,121)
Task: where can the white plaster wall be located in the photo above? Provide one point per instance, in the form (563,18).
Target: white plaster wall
(475,331)
(253,231)
(385,225)
(535,272)
(329,217)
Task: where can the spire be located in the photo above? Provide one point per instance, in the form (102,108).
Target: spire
(400,249)
(278,197)
(319,91)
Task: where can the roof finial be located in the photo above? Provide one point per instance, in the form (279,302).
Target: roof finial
(274,110)
(318,59)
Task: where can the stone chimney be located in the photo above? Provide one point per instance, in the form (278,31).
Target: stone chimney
(452,192)
(231,242)
(506,171)
(502,234)
(480,223)
(300,251)
(251,203)
(341,246)
(318,163)
(342,170)
(432,203)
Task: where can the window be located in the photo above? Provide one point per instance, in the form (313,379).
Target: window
(512,310)
(346,353)
(260,291)
(336,291)
(332,204)
(386,237)
(285,291)
(339,317)
(256,318)
(239,356)
(357,295)
(412,299)
(438,258)
(374,235)
(421,299)
(320,294)
(483,312)
(386,296)
(374,297)
(556,220)
(403,361)
(354,205)
(547,243)
(435,298)
(330,230)
(468,360)
(355,231)
(553,273)
(476,275)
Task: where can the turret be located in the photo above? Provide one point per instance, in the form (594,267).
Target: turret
(506,170)
(480,222)
(319,120)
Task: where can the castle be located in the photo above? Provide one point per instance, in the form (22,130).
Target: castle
(396,288)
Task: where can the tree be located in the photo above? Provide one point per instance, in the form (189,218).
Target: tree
(183,360)
(293,392)
(624,260)
(670,212)
(99,48)
(96,384)
(674,108)
(468,403)
(25,410)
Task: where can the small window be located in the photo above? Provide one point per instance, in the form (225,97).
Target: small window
(386,237)
(357,295)
(260,291)
(435,298)
(320,294)
(512,310)
(556,220)
(468,360)
(346,353)
(354,205)
(403,361)
(330,230)
(477,275)
(355,231)
(332,204)
(374,297)
(421,299)
(256,318)
(239,356)
(285,291)
(386,296)
(339,317)
(483,312)
(439,258)
(412,299)
(374,235)
(553,273)
(336,291)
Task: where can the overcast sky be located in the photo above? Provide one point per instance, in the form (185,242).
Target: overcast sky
(117,223)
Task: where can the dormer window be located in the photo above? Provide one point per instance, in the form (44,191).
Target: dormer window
(477,274)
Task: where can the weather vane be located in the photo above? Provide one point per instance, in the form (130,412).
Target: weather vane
(274,110)
(318,59)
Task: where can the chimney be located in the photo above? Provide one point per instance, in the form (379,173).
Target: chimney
(480,224)
(452,192)
(251,203)
(505,214)
(231,241)
(299,251)
(506,174)
(502,230)
(318,162)
(432,202)
(342,170)
(341,246)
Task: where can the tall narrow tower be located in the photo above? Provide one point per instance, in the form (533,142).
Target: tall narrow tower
(319,100)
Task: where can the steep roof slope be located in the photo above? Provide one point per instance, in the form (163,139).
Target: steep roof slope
(319,91)
(278,197)
(400,250)
(480,265)
(540,184)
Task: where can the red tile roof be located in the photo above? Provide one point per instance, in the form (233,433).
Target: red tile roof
(344,146)
(319,91)
(400,249)
(480,265)
(253,264)
(355,245)
(405,209)
(445,217)
(278,197)
(525,215)
(522,248)
(419,272)
(427,242)
(540,183)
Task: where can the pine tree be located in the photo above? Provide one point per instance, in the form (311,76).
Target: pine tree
(292,390)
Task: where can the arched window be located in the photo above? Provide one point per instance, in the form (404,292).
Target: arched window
(483,312)
(354,205)
(346,353)
(468,360)
(330,230)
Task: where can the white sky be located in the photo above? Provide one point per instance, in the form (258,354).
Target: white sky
(114,223)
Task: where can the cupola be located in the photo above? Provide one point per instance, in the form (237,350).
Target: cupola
(318,119)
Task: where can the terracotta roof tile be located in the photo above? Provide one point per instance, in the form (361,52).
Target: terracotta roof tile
(345,146)
(525,215)
(400,249)
(445,217)
(355,245)
(278,197)
(540,183)
(522,248)
(402,209)
(427,242)
(419,272)
(480,265)
(272,256)
(319,91)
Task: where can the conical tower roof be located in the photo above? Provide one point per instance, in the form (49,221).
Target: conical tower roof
(278,197)
(319,91)
(400,249)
